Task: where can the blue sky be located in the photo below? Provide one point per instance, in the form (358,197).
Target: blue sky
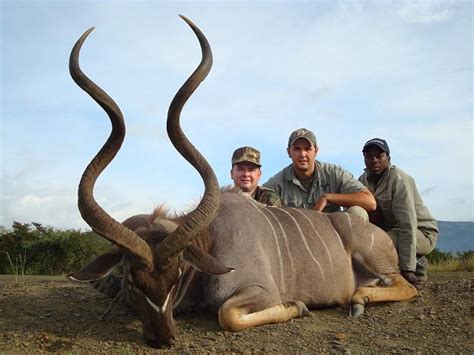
(348,70)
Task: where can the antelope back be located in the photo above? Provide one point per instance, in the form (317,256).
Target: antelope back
(287,251)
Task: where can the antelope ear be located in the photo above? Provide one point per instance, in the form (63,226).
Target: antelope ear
(204,262)
(98,268)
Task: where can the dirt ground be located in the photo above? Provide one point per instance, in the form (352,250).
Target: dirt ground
(52,314)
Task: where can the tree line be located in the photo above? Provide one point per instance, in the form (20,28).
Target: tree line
(33,249)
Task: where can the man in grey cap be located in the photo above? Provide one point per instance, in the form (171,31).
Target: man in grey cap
(400,210)
(246,173)
(309,183)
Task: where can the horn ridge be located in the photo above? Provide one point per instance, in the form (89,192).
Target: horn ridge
(91,212)
(207,209)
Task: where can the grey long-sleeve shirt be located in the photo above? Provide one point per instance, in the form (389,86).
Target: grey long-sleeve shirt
(401,205)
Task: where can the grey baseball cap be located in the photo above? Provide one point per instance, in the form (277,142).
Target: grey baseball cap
(302,133)
(246,154)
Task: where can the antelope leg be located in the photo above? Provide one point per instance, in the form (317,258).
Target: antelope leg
(240,312)
(398,290)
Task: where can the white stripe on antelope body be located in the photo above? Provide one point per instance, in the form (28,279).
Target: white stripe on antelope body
(278,261)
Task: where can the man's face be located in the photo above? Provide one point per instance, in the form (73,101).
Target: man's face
(303,153)
(245,176)
(376,160)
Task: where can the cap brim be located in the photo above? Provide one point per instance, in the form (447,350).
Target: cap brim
(247,161)
(309,140)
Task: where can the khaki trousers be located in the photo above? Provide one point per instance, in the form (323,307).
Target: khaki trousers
(425,240)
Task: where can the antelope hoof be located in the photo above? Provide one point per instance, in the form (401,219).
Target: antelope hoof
(356,310)
(303,310)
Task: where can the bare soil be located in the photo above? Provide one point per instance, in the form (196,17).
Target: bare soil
(52,314)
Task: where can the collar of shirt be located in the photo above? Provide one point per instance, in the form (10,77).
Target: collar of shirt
(374,185)
(291,176)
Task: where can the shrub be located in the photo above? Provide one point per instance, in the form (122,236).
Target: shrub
(46,250)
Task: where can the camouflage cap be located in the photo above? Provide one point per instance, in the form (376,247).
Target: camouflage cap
(302,133)
(247,154)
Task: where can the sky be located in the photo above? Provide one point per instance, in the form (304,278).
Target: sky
(348,70)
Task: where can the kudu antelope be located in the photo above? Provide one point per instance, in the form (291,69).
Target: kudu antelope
(278,261)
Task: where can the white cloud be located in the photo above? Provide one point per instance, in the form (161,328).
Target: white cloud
(31,200)
(57,210)
(426,11)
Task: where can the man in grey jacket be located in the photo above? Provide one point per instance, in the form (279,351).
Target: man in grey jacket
(400,210)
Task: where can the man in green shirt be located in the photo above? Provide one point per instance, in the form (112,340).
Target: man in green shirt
(246,173)
(309,183)
(400,210)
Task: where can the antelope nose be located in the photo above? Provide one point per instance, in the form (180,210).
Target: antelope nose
(163,343)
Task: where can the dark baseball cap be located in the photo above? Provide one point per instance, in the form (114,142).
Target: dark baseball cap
(246,154)
(302,133)
(378,142)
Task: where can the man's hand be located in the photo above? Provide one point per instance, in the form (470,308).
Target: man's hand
(321,203)
(411,278)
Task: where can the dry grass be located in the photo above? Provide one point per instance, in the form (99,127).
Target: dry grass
(19,267)
(453,264)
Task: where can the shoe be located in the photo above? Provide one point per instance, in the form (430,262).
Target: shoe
(411,278)
(422,268)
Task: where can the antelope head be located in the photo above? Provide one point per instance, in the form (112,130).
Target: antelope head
(151,252)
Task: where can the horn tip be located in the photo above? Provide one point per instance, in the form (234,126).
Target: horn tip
(188,21)
(87,33)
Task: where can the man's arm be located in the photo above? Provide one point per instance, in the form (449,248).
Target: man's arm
(363,198)
(403,207)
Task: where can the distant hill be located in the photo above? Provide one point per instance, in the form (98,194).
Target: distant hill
(455,236)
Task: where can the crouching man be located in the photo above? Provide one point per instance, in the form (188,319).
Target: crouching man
(400,210)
